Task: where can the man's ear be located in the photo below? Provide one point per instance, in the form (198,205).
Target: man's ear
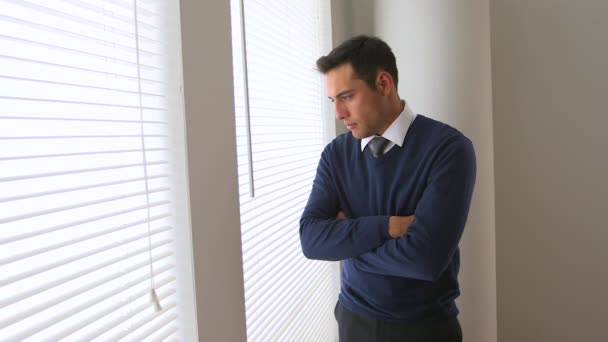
(384,82)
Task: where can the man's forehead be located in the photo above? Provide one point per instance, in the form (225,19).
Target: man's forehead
(339,79)
(341,71)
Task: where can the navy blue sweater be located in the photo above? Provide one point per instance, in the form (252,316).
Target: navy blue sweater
(432,177)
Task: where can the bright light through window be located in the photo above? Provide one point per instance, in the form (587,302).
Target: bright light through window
(287,297)
(93,209)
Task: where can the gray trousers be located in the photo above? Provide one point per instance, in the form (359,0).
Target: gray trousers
(354,328)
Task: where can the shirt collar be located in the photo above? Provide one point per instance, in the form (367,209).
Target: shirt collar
(396,132)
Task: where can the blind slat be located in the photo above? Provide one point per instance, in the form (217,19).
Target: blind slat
(273,315)
(45,267)
(116,320)
(163,334)
(32,233)
(72,50)
(81,120)
(267,281)
(58,317)
(49,247)
(285,98)
(79,205)
(293,306)
(107,105)
(91,19)
(91,169)
(68,172)
(80,154)
(158,325)
(35,62)
(75,327)
(313,328)
(33,82)
(264,214)
(46,286)
(86,187)
(16,317)
(141,322)
(108,35)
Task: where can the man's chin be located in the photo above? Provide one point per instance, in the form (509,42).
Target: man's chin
(359,135)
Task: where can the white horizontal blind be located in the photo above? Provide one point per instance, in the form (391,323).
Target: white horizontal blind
(287,297)
(90,155)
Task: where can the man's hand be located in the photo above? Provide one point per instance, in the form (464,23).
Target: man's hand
(398,225)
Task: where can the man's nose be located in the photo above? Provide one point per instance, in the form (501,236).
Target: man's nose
(341,112)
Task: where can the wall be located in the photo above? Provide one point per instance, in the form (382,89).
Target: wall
(214,201)
(549,66)
(350,18)
(443,56)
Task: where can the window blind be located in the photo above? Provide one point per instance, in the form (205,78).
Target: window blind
(281,133)
(92,214)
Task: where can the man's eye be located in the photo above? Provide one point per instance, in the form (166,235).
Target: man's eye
(347,97)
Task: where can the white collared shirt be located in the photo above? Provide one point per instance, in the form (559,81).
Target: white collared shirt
(395,133)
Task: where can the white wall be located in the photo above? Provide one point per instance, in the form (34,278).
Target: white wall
(214,201)
(550,67)
(443,57)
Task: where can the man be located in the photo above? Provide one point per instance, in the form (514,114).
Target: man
(391,199)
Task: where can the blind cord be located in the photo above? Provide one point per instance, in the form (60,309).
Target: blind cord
(153,296)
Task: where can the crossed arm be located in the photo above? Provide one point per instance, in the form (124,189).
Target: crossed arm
(419,246)
(397,225)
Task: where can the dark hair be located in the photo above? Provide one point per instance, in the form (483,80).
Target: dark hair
(366,55)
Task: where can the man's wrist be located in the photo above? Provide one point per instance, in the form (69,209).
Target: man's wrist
(393,227)
(398,225)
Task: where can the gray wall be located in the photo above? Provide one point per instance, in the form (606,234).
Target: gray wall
(350,18)
(549,122)
(218,269)
(549,66)
(443,56)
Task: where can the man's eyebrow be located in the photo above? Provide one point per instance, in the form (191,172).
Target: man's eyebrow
(343,92)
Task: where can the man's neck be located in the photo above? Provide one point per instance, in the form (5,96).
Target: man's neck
(396,110)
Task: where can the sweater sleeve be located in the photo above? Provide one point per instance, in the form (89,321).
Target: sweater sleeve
(430,242)
(324,237)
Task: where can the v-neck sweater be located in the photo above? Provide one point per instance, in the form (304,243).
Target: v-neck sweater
(431,176)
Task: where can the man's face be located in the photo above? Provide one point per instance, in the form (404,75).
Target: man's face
(355,103)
